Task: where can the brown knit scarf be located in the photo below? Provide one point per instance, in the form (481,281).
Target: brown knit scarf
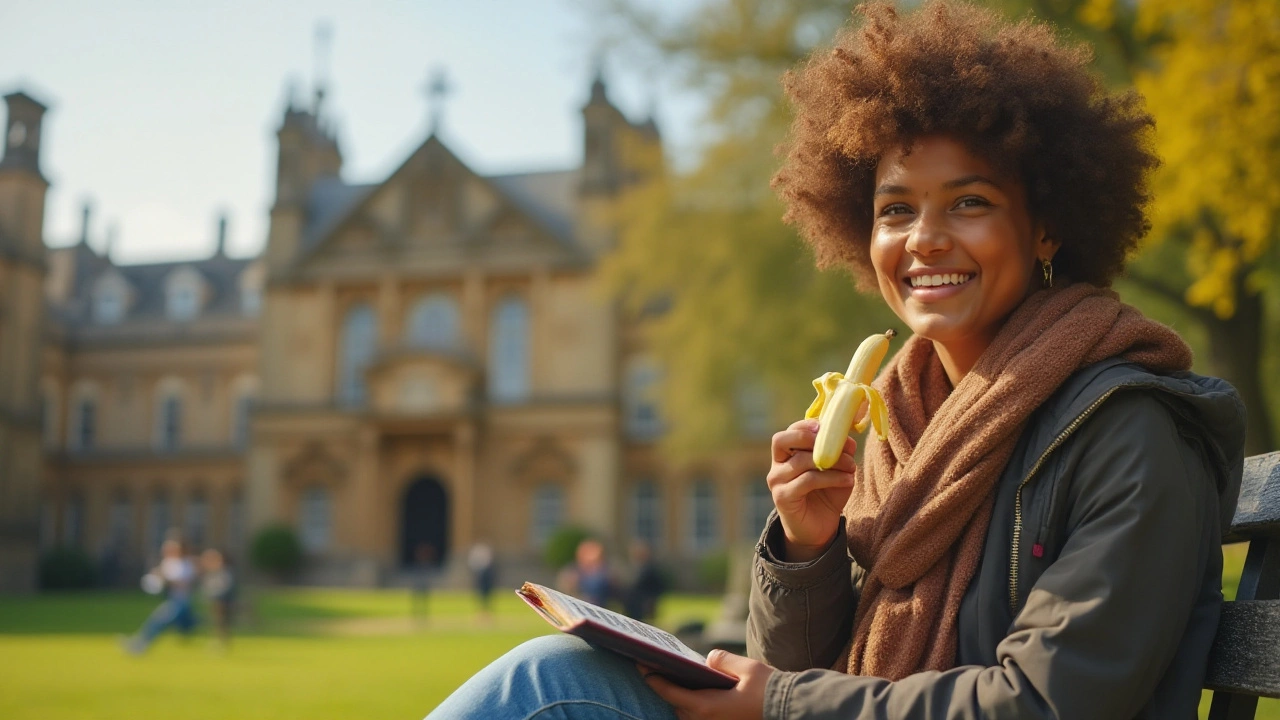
(919,513)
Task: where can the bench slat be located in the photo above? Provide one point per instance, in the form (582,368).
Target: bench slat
(1258,509)
(1245,657)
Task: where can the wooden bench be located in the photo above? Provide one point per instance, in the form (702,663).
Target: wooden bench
(1244,663)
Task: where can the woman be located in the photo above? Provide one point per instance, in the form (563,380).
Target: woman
(1038,536)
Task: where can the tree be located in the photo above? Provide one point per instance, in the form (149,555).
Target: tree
(741,294)
(742,304)
(1210,72)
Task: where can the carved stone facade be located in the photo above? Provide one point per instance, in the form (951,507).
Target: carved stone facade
(412,366)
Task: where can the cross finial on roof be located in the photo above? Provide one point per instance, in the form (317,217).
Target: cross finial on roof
(437,89)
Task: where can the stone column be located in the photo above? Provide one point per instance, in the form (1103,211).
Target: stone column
(464,484)
(373,514)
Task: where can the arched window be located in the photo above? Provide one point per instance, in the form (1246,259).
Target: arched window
(433,323)
(240,420)
(509,350)
(182,292)
(195,525)
(86,428)
(110,299)
(704,520)
(120,523)
(168,421)
(548,513)
(159,519)
(358,344)
(640,399)
(758,503)
(646,513)
(316,519)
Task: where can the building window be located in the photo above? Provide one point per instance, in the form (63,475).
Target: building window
(159,520)
(753,410)
(758,503)
(86,424)
(646,513)
(108,303)
(548,513)
(704,521)
(640,400)
(433,323)
(195,526)
(509,351)
(169,423)
(317,519)
(235,521)
(240,421)
(73,522)
(119,524)
(182,294)
(358,345)
(49,417)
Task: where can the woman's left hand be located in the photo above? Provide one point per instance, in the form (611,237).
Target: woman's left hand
(745,701)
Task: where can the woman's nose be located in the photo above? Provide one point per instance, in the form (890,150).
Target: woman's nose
(929,235)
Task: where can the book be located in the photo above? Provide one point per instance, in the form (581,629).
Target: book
(644,643)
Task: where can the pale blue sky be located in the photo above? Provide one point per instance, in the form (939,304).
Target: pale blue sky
(162,113)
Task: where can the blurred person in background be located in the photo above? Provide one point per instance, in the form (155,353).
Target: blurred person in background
(219,586)
(175,576)
(483,572)
(641,599)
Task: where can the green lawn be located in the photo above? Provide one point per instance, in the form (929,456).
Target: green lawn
(303,654)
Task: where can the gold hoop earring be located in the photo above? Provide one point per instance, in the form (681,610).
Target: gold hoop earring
(1046,266)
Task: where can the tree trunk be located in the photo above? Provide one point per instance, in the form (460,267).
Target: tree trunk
(1235,350)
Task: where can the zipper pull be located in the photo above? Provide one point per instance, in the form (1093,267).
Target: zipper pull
(1037,550)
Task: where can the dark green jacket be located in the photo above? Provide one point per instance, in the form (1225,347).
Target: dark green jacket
(1100,584)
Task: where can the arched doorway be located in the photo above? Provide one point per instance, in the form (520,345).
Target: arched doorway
(424,523)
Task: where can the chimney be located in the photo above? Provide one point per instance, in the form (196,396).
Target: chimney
(222,235)
(84,222)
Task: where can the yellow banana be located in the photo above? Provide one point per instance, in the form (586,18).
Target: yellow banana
(840,397)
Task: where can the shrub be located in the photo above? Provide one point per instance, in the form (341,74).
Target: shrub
(713,571)
(562,545)
(276,550)
(67,568)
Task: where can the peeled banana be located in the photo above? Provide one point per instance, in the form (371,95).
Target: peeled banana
(841,396)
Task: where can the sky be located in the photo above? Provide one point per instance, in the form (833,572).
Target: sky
(163,114)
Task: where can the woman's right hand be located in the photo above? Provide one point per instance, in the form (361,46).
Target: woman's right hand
(809,500)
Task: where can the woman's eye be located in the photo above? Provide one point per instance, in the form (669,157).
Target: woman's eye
(895,209)
(972,201)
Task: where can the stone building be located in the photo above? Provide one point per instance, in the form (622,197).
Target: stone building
(411,366)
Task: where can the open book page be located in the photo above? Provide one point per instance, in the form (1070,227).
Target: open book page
(563,610)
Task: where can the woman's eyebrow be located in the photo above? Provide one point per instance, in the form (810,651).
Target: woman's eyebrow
(969,180)
(891,190)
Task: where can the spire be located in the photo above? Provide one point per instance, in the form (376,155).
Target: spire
(221,250)
(323,40)
(85,213)
(113,236)
(599,93)
(437,89)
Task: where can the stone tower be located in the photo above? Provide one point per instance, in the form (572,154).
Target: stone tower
(616,154)
(22,273)
(308,152)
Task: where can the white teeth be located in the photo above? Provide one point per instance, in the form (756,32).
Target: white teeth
(936,280)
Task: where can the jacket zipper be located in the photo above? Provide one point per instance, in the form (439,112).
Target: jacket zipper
(1015,550)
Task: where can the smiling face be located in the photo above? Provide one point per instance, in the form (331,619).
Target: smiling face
(954,246)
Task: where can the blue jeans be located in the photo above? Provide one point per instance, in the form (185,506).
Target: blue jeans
(174,612)
(556,677)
